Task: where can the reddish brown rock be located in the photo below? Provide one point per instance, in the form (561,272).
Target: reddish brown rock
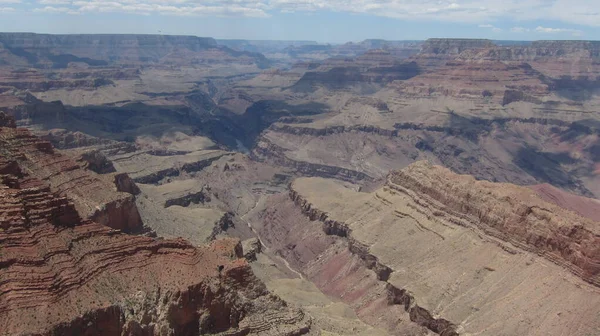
(584,206)
(512,213)
(433,249)
(63,275)
(95,196)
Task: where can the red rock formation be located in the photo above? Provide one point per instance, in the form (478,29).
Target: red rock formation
(340,266)
(511,213)
(61,275)
(337,238)
(482,80)
(94,196)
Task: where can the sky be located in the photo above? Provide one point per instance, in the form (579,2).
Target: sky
(325,21)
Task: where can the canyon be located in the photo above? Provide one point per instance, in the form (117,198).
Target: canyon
(178,185)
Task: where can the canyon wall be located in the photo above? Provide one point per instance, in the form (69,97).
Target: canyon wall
(64,274)
(95,196)
(441,251)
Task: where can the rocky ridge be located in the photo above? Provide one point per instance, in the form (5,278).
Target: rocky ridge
(64,274)
(97,197)
(510,213)
(395,295)
(406,232)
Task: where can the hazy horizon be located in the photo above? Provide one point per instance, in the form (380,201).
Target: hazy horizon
(334,21)
(305,40)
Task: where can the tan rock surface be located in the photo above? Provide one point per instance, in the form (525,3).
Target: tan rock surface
(463,249)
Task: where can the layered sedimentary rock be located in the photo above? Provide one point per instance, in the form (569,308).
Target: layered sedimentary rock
(150,167)
(64,275)
(513,214)
(469,108)
(267,150)
(95,196)
(449,46)
(458,256)
(375,67)
(499,149)
(478,81)
(89,278)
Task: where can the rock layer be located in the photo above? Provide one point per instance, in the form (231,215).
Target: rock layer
(508,212)
(64,275)
(459,255)
(95,196)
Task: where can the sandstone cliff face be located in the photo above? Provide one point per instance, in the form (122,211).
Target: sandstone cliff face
(95,196)
(567,64)
(498,149)
(454,254)
(547,50)
(266,150)
(511,213)
(64,275)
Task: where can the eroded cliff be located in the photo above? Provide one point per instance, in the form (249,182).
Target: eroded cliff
(95,196)
(444,251)
(64,274)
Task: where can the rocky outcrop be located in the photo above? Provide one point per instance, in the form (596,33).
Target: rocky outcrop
(121,214)
(32,111)
(152,169)
(449,46)
(7,121)
(64,139)
(202,290)
(251,248)
(96,161)
(64,275)
(268,151)
(222,225)
(199,197)
(124,183)
(395,296)
(513,214)
(94,196)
